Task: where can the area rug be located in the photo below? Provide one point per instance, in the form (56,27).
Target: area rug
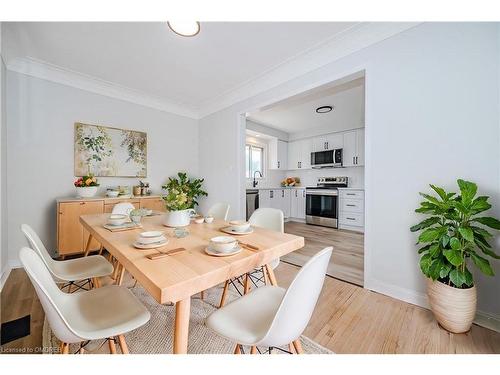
(156,336)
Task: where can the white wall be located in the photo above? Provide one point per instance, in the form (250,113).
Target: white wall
(432,116)
(3,161)
(41,117)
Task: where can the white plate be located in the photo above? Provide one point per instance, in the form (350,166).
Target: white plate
(231,231)
(151,245)
(236,250)
(151,234)
(150,240)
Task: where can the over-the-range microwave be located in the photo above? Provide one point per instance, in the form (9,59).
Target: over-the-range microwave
(327,159)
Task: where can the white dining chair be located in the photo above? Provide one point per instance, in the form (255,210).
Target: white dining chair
(273,317)
(69,271)
(268,218)
(219,211)
(122,208)
(103,313)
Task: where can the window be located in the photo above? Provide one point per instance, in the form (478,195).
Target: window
(254,160)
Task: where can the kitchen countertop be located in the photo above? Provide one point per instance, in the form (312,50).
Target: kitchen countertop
(351,188)
(276,188)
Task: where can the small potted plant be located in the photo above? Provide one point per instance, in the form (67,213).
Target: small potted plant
(137,214)
(453,237)
(86,186)
(180,199)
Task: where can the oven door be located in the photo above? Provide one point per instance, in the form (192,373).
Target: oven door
(322,207)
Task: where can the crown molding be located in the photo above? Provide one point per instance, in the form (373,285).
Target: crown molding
(340,45)
(53,73)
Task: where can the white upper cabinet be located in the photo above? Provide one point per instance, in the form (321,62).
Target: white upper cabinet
(299,154)
(327,142)
(278,154)
(354,148)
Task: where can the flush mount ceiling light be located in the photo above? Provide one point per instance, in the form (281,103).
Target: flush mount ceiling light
(324,109)
(184,28)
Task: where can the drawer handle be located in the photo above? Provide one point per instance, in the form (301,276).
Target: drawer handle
(350,194)
(350,205)
(350,218)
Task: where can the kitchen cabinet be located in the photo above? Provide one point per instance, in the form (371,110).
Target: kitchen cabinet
(352,209)
(275,198)
(354,148)
(327,142)
(278,154)
(298,203)
(299,154)
(264,198)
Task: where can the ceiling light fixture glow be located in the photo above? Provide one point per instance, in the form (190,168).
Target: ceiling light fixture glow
(184,28)
(324,109)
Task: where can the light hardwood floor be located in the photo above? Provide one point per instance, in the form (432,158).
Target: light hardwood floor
(347,319)
(347,261)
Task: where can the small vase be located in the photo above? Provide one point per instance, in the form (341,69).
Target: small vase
(453,308)
(179,218)
(86,191)
(136,219)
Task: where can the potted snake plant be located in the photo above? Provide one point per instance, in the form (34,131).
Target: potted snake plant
(454,237)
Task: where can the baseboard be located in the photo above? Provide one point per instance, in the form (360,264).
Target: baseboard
(483,319)
(295,219)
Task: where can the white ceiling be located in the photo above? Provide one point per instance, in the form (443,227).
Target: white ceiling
(298,114)
(149,58)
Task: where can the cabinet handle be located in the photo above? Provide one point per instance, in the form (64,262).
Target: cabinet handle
(350,194)
(278,164)
(350,218)
(350,205)
(327,145)
(295,193)
(356,160)
(271,193)
(282,193)
(303,193)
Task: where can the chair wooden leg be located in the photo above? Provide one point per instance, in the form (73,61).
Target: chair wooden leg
(272,277)
(202,294)
(123,344)
(64,348)
(119,280)
(246,284)
(224,293)
(87,247)
(298,346)
(266,277)
(101,249)
(237,350)
(112,346)
(81,351)
(69,288)
(291,348)
(96,282)
(253,350)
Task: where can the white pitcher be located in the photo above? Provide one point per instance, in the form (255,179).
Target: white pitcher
(179,218)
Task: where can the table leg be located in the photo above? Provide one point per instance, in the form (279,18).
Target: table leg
(87,246)
(182,312)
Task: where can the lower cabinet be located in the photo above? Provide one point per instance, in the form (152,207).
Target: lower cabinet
(291,201)
(352,210)
(72,238)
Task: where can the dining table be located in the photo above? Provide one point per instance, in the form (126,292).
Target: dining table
(189,270)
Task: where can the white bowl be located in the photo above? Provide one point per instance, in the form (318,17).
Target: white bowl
(151,234)
(222,244)
(146,241)
(239,225)
(199,220)
(116,219)
(209,219)
(112,193)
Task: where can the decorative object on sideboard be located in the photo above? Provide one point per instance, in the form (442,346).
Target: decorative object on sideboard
(452,237)
(105,151)
(86,186)
(291,181)
(181,198)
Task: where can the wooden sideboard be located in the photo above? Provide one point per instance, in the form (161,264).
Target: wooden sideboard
(71,237)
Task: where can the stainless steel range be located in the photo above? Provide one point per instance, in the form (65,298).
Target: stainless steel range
(322,201)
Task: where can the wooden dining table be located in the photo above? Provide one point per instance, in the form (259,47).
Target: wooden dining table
(176,278)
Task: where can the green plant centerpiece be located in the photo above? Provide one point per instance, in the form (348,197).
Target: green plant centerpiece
(181,197)
(454,237)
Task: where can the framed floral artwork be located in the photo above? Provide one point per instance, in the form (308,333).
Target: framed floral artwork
(104,151)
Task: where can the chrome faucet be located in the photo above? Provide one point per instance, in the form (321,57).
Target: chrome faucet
(254,184)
